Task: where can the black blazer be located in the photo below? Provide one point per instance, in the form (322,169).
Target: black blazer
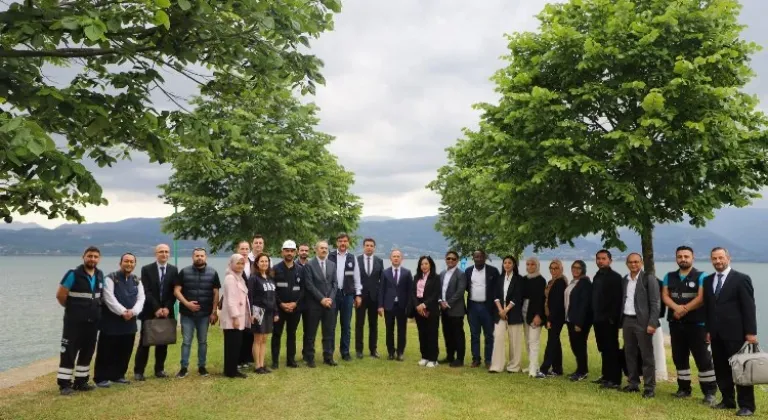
(731,315)
(371,282)
(607,296)
(432,294)
(388,289)
(491,277)
(150,281)
(534,292)
(513,294)
(556,302)
(580,303)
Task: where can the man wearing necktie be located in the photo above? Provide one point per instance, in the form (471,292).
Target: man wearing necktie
(729,302)
(370,277)
(394,293)
(319,294)
(157,280)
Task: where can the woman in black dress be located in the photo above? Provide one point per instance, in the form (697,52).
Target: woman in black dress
(262,291)
(578,317)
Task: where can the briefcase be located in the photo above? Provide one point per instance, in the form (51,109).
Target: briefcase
(159,332)
(749,366)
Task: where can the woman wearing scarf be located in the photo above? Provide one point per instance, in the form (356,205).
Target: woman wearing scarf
(578,316)
(425,294)
(554,310)
(235,314)
(533,313)
(508,319)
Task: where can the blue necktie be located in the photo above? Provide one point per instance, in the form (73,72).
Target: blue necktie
(719,284)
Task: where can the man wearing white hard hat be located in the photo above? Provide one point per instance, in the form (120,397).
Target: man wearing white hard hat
(290,291)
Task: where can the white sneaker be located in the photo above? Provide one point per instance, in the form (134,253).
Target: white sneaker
(423,362)
(431,364)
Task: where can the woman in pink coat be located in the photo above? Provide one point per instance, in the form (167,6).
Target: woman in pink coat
(235,314)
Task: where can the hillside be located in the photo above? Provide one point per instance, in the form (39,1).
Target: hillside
(740,230)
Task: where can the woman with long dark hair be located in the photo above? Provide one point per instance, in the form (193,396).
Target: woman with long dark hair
(508,319)
(425,294)
(263,299)
(554,308)
(578,316)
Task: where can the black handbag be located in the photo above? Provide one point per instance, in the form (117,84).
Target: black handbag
(159,332)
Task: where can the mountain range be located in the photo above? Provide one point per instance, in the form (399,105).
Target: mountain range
(742,231)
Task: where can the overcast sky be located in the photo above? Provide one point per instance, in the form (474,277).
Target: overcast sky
(402,76)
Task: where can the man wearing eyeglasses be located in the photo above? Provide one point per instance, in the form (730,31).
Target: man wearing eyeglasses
(454,284)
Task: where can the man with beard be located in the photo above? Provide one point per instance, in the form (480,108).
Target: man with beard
(197,290)
(289,293)
(452,308)
(303,255)
(607,305)
(683,293)
(80,294)
(481,280)
(371,268)
(349,292)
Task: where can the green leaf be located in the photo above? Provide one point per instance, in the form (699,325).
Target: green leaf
(185,5)
(93,32)
(11,125)
(653,102)
(161,18)
(163,3)
(70,22)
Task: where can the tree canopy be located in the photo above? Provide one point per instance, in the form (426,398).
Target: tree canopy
(270,174)
(121,52)
(616,113)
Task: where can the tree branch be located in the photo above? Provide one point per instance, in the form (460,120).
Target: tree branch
(70,52)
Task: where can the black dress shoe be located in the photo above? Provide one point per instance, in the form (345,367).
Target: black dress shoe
(375,355)
(391,356)
(139,377)
(400,357)
(330,362)
(649,393)
(744,412)
(275,366)
(311,364)
(630,389)
(346,358)
(292,364)
(709,399)
(161,374)
(723,406)
(682,393)
(475,363)
(359,355)
(609,385)
(598,381)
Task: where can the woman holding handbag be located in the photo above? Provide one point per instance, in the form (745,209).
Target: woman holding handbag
(264,301)
(235,314)
(425,294)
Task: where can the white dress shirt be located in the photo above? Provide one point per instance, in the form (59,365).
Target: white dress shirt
(446,280)
(341,267)
(725,277)
(629,300)
(478,285)
(108,292)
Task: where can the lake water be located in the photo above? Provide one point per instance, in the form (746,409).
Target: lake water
(32,319)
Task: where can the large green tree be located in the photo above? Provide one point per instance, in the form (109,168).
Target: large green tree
(271,173)
(616,113)
(121,51)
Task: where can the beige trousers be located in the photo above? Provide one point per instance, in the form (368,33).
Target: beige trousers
(504,333)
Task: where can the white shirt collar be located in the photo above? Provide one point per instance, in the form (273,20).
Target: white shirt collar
(724,273)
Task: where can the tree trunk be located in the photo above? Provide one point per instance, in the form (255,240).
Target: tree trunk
(646,241)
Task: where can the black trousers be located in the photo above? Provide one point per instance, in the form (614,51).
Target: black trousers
(370,308)
(455,340)
(607,337)
(578,340)
(391,318)
(553,354)
(288,321)
(428,335)
(78,343)
(687,340)
(722,350)
(315,318)
(233,343)
(246,348)
(112,356)
(638,350)
(142,356)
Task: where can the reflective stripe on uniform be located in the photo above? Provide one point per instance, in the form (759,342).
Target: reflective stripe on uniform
(85,295)
(65,370)
(687,295)
(281,284)
(81,371)
(64,376)
(296,288)
(684,374)
(708,376)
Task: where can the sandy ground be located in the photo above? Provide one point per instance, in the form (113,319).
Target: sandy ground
(19,375)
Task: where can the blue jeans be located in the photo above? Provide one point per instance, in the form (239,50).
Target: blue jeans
(480,318)
(345,304)
(190,324)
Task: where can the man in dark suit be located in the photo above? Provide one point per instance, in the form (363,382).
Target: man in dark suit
(157,279)
(453,284)
(639,320)
(394,295)
(607,305)
(729,302)
(371,268)
(319,293)
(481,279)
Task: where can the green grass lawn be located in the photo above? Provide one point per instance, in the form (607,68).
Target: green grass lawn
(361,389)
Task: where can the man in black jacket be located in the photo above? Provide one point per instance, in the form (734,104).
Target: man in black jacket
(157,279)
(607,305)
(481,282)
(729,303)
(371,268)
(290,292)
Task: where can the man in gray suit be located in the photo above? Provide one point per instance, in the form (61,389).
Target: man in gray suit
(320,291)
(640,318)
(454,283)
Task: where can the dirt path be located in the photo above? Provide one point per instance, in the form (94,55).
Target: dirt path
(19,375)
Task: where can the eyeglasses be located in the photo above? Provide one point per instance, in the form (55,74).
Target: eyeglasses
(450,258)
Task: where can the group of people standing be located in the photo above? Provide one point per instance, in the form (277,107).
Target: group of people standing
(507,309)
